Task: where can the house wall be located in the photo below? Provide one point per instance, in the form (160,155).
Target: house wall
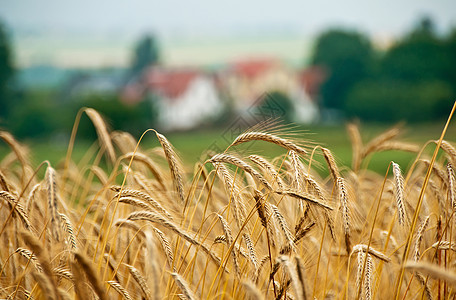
(198,103)
(245,92)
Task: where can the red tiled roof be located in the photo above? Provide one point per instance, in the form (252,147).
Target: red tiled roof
(169,83)
(312,78)
(253,68)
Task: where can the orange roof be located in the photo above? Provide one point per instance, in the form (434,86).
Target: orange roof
(170,83)
(254,67)
(312,78)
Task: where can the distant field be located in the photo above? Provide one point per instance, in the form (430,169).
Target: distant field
(191,145)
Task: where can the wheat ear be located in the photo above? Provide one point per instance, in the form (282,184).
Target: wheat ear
(65,273)
(30,256)
(174,166)
(89,270)
(146,199)
(184,287)
(42,255)
(451,186)
(150,165)
(68,228)
(284,226)
(297,170)
(166,247)
(378,141)
(251,247)
(48,290)
(18,208)
(433,271)
(375,253)
(232,189)
(419,238)
(444,245)
(269,167)
(51,187)
(120,289)
(229,241)
(79,282)
(357,145)
(399,193)
(251,290)
(154,218)
(299,291)
(307,198)
(17,148)
(331,162)
(343,199)
(367,276)
(102,132)
(140,281)
(227,158)
(450,151)
(261,136)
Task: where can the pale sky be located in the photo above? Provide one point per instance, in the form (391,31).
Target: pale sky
(40,19)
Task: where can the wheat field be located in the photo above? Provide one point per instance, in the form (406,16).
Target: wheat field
(133,223)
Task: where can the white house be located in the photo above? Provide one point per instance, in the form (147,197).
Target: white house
(185,97)
(247,81)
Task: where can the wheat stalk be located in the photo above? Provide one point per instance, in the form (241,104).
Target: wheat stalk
(357,145)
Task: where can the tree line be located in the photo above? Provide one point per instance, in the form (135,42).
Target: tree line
(413,80)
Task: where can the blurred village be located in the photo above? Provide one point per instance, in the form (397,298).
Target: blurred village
(348,76)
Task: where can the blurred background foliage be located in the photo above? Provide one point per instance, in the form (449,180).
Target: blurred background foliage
(413,79)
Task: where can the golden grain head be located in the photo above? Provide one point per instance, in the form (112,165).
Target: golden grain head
(234,226)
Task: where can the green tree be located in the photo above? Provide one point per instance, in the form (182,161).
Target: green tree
(348,58)
(6,73)
(450,47)
(393,100)
(419,56)
(133,118)
(146,53)
(276,104)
